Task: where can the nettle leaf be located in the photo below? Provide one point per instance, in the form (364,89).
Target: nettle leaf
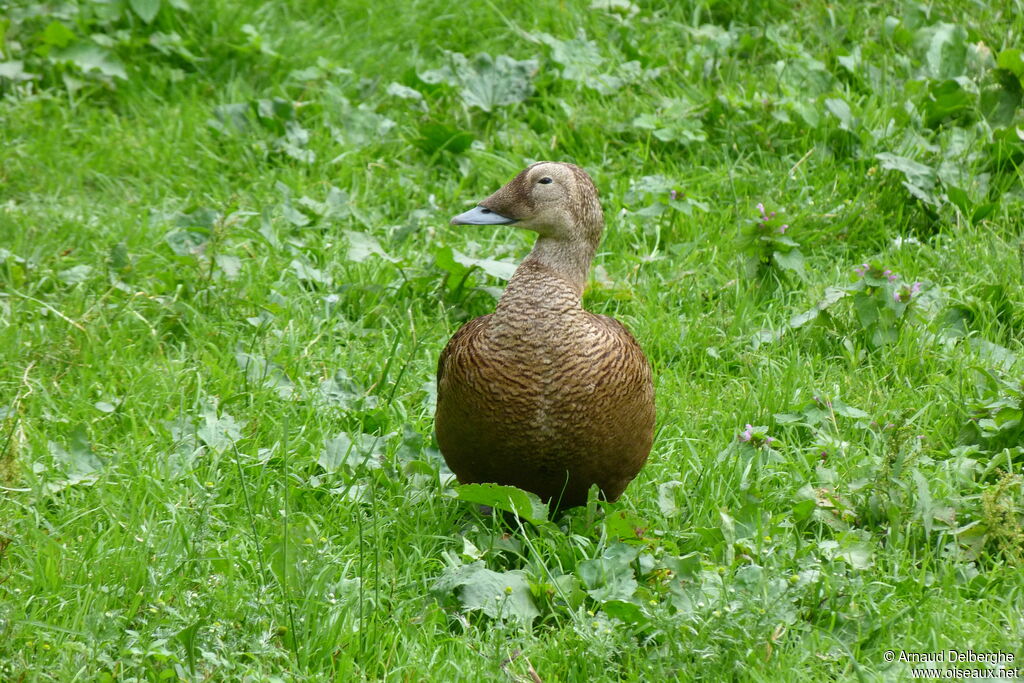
(75,274)
(80,458)
(610,577)
(486,82)
(229,265)
(186,242)
(341,391)
(360,126)
(499,595)
(90,57)
(947,100)
(78,463)
(146,9)
(841,110)
(307,273)
(57,34)
(506,498)
(832,295)
(352,451)
(853,548)
(259,370)
(839,407)
(583,63)
(502,270)
(946,52)
(1012,60)
(15,70)
(459,265)
(675,121)
(670,494)
(218,432)
(919,179)
(362,245)
(404,92)
(790,260)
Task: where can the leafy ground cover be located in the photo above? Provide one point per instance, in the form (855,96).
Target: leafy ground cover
(226,274)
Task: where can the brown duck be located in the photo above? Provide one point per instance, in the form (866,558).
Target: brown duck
(542,394)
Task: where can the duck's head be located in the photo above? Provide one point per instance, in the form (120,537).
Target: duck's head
(554,199)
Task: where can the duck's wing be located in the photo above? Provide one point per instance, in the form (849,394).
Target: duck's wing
(459,345)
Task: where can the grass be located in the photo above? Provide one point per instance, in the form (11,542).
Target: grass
(220,314)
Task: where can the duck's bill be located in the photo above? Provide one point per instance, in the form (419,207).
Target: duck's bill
(478,215)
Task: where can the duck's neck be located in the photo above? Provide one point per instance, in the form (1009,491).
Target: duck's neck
(554,272)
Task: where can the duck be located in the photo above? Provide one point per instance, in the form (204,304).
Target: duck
(542,394)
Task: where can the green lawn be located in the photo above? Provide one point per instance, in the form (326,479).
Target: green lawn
(226,273)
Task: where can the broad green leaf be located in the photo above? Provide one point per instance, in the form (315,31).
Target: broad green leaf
(260,371)
(841,110)
(624,525)
(308,273)
(499,595)
(790,260)
(840,408)
(361,126)
(146,9)
(946,55)
(669,495)
(611,577)
(186,242)
(502,270)
(960,199)
(362,245)
(582,62)
(57,34)
(75,275)
(918,178)
(352,451)
(404,92)
(15,71)
(341,391)
(507,499)
(626,612)
(89,57)
(486,82)
(81,458)
(947,100)
(229,265)
(218,432)
(1013,61)
(78,464)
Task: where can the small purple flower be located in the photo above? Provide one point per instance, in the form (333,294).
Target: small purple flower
(747,434)
(783,229)
(672,194)
(861,270)
(771,215)
(906,292)
(755,436)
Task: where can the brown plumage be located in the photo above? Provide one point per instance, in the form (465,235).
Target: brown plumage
(542,394)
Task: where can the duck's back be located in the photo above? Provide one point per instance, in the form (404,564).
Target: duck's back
(546,397)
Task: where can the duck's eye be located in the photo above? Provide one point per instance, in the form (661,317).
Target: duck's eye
(544,181)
